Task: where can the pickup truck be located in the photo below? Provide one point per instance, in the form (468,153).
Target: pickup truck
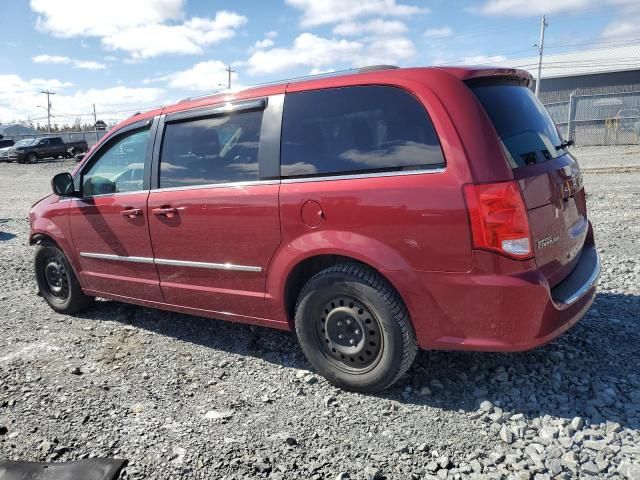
(33,149)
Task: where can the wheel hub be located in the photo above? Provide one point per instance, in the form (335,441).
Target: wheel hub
(56,277)
(345,331)
(349,332)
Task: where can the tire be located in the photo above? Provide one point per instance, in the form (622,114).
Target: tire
(57,281)
(32,158)
(354,328)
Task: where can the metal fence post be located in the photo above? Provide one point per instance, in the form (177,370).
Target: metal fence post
(571,116)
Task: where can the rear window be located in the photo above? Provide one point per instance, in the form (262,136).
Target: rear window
(356,130)
(525,128)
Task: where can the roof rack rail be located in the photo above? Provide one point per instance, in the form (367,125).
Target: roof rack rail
(333,73)
(375,68)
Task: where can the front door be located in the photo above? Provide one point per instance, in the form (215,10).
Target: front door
(109,224)
(214,226)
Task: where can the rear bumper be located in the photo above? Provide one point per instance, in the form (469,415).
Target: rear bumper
(505,312)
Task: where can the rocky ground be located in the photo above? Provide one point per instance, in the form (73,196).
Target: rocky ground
(184,397)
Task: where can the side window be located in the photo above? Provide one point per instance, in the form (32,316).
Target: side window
(44,141)
(211,150)
(120,168)
(356,130)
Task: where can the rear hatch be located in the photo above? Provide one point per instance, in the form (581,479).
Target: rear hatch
(549,176)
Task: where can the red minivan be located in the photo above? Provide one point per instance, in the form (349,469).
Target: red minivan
(374,213)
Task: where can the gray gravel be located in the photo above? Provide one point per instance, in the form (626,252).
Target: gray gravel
(188,397)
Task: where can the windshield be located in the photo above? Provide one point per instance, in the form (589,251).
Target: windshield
(525,128)
(25,142)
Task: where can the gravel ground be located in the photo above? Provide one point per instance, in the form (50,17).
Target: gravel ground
(186,397)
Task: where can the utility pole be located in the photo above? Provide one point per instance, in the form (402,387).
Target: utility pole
(48,94)
(95,122)
(229,70)
(543,26)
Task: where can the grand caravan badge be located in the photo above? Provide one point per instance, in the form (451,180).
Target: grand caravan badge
(546,241)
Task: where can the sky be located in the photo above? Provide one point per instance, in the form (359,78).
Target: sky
(126,56)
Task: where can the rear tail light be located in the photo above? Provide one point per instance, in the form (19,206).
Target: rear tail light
(498,218)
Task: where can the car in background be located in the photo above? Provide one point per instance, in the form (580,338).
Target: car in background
(4,143)
(628,119)
(4,154)
(32,150)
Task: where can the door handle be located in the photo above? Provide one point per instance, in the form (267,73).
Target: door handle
(131,212)
(167,212)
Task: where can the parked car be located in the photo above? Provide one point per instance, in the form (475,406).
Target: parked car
(373,213)
(628,119)
(32,150)
(4,154)
(4,143)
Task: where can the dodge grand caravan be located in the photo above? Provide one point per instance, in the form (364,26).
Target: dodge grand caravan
(374,213)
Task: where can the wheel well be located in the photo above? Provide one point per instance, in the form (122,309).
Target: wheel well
(306,269)
(40,237)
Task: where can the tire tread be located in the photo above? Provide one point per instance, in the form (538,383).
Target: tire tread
(373,279)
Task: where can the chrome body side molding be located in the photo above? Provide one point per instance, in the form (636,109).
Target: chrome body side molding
(175,263)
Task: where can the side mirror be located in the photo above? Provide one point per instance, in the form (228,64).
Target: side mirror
(62,184)
(79,156)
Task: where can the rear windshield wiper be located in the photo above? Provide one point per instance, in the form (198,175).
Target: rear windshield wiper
(564,145)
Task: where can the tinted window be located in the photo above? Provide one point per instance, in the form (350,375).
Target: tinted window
(211,150)
(523,124)
(356,129)
(119,168)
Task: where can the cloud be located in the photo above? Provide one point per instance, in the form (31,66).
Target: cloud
(315,12)
(262,44)
(375,27)
(526,8)
(320,53)
(203,77)
(627,22)
(483,59)
(143,29)
(19,100)
(83,64)
(441,32)
(308,50)
(75,18)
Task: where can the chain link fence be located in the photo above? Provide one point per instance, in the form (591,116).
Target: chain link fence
(602,119)
(91,137)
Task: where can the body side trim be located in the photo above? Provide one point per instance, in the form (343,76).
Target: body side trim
(170,262)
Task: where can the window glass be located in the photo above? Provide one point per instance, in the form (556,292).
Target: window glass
(356,129)
(525,128)
(211,150)
(120,168)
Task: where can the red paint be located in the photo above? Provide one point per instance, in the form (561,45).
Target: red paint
(311,213)
(414,229)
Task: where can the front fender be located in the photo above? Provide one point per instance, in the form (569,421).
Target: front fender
(49,220)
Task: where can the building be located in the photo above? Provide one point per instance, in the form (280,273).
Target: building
(16,130)
(592,95)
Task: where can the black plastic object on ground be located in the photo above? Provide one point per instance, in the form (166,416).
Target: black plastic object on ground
(91,469)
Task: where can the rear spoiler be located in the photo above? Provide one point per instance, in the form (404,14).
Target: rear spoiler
(491,75)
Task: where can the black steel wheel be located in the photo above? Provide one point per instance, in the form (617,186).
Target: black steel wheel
(354,328)
(57,281)
(349,333)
